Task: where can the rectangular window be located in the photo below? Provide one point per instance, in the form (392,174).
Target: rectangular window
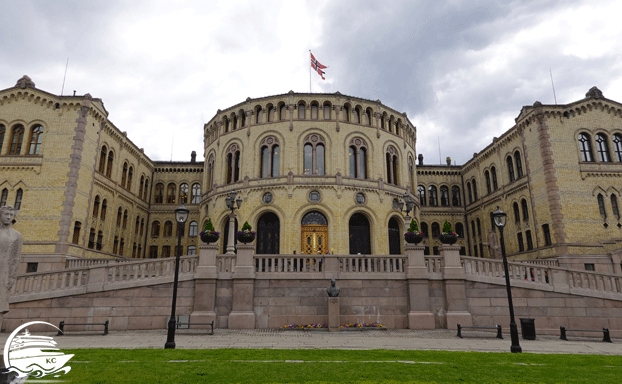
(529,241)
(547,234)
(153,252)
(32,267)
(166,251)
(521,246)
(589,267)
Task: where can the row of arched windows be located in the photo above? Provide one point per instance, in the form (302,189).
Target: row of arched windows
(167,229)
(614,206)
(171,194)
(515,171)
(16,139)
(603,146)
(432,197)
(436,229)
(18,198)
(106,162)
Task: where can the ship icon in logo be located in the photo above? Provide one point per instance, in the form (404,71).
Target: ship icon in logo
(34,356)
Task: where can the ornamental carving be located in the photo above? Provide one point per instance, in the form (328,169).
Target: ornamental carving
(314,138)
(269,141)
(391,150)
(358,142)
(233,148)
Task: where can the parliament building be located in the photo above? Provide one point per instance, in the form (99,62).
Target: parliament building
(316,173)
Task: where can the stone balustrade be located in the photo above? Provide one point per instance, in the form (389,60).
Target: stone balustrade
(69,280)
(81,263)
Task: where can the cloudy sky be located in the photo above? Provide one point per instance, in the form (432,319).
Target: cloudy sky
(461,70)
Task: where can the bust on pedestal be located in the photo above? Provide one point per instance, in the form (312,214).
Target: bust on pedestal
(333,307)
(10,252)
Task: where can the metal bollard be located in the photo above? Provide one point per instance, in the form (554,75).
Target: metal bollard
(562,331)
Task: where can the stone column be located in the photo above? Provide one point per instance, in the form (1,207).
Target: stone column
(205,285)
(455,288)
(419,315)
(242,315)
(231,237)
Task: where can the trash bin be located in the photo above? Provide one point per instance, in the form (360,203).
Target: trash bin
(528,329)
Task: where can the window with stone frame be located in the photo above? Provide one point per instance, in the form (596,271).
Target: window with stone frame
(193,228)
(192,250)
(411,172)
(115,245)
(459,230)
(16,140)
(369,116)
(96,206)
(523,204)
(183,193)
(510,166)
(119,216)
(614,206)
(357,156)
(210,173)
(327,111)
(617,146)
(521,246)
(585,147)
(36,139)
(109,164)
(76,232)
(140,187)
(313,155)
(547,234)
(270,157)
(392,165)
(474,189)
(139,254)
(602,148)
(456,199)
(170,193)
(529,240)
(100,237)
(488,185)
(493,176)
(356,114)
(91,243)
(155,229)
(432,196)
(130,174)
(283,112)
(436,230)
(168,229)
(104,209)
(142,226)
(270,113)
(196,193)
(601,206)
(469,192)
(233,163)
(519,164)
(166,251)
(424,229)
(2,134)
(146,189)
(444,190)
(422,199)
(516,213)
(314,110)
(121,246)
(4,197)
(301,111)
(158,196)
(153,252)
(136,225)
(124,175)
(347,110)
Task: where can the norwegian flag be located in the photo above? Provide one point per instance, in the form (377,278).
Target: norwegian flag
(317,66)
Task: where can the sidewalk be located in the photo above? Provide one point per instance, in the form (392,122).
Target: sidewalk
(403,339)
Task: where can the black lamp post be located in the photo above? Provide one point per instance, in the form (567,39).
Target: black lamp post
(409,202)
(181,215)
(231,202)
(500,219)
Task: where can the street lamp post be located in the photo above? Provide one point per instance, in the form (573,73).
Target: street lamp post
(500,219)
(181,215)
(409,202)
(231,202)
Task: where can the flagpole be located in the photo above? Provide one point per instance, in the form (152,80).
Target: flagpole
(309,72)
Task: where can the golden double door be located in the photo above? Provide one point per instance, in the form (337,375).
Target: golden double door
(314,239)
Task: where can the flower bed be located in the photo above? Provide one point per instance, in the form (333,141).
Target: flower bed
(345,327)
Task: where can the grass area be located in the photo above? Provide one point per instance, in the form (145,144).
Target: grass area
(334,366)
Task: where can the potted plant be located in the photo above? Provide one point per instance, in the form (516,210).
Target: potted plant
(413,235)
(448,236)
(209,234)
(246,235)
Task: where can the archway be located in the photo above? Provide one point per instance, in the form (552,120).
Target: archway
(394,237)
(360,241)
(268,234)
(314,233)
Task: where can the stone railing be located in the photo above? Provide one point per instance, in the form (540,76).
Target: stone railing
(547,262)
(517,270)
(594,281)
(289,263)
(81,263)
(225,263)
(66,280)
(331,266)
(372,264)
(150,268)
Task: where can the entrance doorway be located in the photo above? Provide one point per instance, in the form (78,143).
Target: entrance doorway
(394,237)
(314,234)
(360,241)
(268,234)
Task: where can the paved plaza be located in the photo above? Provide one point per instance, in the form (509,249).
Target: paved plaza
(400,339)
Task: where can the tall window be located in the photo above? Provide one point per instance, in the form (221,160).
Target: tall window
(314,111)
(523,204)
(193,229)
(96,206)
(459,230)
(210,172)
(2,133)
(183,193)
(444,196)
(510,168)
(36,138)
(283,112)
(474,190)
(301,111)
(153,252)
(140,187)
(521,246)
(314,155)
(91,244)
(166,251)
(357,155)
(192,250)
(196,193)
(125,219)
(424,229)
(432,196)
(170,193)
(270,114)
(270,154)
(168,229)
(519,165)
(155,229)
(159,193)
(493,175)
(357,115)
(326,111)
(18,199)
(469,193)
(602,148)
(142,226)
(516,213)
(109,165)
(100,240)
(529,241)
(421,190)
(258,115)
(233,163)
(455,196)
(102,159)
(119,216)
(76,232)
(601,205)
(391,163)
(585,147)
(146,189)
(617,146)
(346,112)
(436,230)
(5,195)
(368,114)
(136,225)
(130,174)
(104,209)
(614,206)
(115,246)
(547,234)
(488,186)
(124,175)
(16,140)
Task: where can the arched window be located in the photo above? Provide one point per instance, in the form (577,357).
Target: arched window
(146,189)
(614,206)
(258,115)
(130,174)
(473,233)
(383,122)
(368,114)
(119,216)
(136,225)
(516,213)
(346,111)
(268,234)
(301,111)
(601,206)
(124,175)
(168,229)
(469,193)
(170,193)
(109,165)
(76,232)
(225,124)
(314,110)
(96,206)
(242,120)
(357,115)
(488,186)
(436,229)
(314,155)
(474,190)
(510,165)
(422,199)
(233,122)
(192,250)
(16,140)
(210,172)
(617,146)
(104,209)
(444,196)
(18,199)
(360,235)
(585,147)
(424,229)
(357,155)
(398,124)
(602,148)
(155,229)
(140,187)
(2,133)
(36,138)
(183,193)
(142,226)
(523,204)
(432,196)
(283,112)
(270,114)
(519,165)
(193,228)
(479,228)
(91,244)
(196,193)
(159,194)
(5,195)
(326,111)
(493,175)
(411,172)
(394,237)
(455,196)
(391,163)
(125,219)
(270,154)
(233,163)
(459,229)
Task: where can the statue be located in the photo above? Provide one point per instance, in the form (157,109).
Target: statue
(493,245)
(333,291)
(10,252)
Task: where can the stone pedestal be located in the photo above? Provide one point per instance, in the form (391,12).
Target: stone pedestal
(419,315)
(242,315)
(333,314)
(205,286)
(455,289)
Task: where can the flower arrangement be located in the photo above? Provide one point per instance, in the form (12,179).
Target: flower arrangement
(361,325)
(246,230)
(208,229)
(316,326)
(447,231)
(413,230)
(308,326)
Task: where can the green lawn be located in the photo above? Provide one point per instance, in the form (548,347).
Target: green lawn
(335,366)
